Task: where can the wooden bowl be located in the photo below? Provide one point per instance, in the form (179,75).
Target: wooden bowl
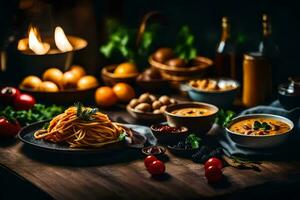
(145,116)
(110,79)
(203,64)
(66,97)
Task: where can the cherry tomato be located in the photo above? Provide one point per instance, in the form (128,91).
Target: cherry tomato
(8,129)
(213,162)
(156,168)
(24,102)
(8,95)
(148,160)
(213,174)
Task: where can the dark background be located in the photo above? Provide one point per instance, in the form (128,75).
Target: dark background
(87,19)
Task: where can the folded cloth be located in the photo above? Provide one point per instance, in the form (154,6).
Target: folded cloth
(144,131)
(231,148)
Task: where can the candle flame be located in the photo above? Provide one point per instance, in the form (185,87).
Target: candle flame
(35,42)
(61,40)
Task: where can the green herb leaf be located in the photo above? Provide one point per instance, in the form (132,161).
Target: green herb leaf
(39,112)
(224,117)
(194,141)
(185,46)
(256,125)
(46,125)
(85,113)
(122,136)
(261,126)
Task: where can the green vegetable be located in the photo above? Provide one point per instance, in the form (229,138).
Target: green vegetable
(261,126)
(85,113)
(122,136)
(194,141)
(122,42)
(39,112)
(224,117)
(185,46)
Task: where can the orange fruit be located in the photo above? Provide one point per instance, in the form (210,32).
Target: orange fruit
(105,96)
(87,82)
(31,82)
(70,80)
(54,75)
(78,70)
(126,68)
(124,92)
(48,86)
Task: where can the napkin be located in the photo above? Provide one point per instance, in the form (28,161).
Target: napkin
(231,148)
(143,131)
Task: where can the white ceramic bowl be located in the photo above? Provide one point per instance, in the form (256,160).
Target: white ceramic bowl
(259,141)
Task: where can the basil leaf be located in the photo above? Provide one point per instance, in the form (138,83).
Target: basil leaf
(194,141)
(122,136)
(257,125)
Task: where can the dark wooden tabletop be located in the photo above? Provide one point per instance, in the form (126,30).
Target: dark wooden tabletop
(122,175)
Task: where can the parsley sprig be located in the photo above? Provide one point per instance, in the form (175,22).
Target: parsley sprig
(84,113)
(261,126)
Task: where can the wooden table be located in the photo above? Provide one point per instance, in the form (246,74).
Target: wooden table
(41,175)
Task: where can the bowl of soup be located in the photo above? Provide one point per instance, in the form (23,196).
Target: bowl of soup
(197,117)
(259,130)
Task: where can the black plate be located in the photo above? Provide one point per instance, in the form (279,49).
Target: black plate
(26,135)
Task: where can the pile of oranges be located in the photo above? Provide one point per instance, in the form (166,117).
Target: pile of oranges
(54,80)
(106,96)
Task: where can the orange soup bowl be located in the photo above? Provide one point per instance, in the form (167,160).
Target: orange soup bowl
(274,132)
(197,117)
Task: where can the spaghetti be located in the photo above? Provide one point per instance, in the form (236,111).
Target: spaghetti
(81,127)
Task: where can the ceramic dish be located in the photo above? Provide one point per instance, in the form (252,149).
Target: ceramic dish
(169,137)
(221,98)
(260,141)
(26,135)
(200,124)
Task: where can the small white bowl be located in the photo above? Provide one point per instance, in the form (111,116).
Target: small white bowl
(259,141)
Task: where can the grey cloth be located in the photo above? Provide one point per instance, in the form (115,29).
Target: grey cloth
(144,131)
(230,148)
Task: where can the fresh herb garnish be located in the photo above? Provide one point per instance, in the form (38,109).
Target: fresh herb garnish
(122,136)
(85,113)
(261,126)
(224,117)
(194,141)
(185,46)
(46,125)
(39,112)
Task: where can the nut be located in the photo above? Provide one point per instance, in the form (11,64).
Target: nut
(165,100)
(156,105)
(133,103)
(163,109)
(145,98)
(144,107)
(157,111)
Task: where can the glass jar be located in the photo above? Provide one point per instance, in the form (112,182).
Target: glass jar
(289,93)
(257,79)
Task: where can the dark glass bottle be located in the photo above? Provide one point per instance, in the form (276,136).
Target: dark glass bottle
(267,46)
(225,60)
(269,49)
